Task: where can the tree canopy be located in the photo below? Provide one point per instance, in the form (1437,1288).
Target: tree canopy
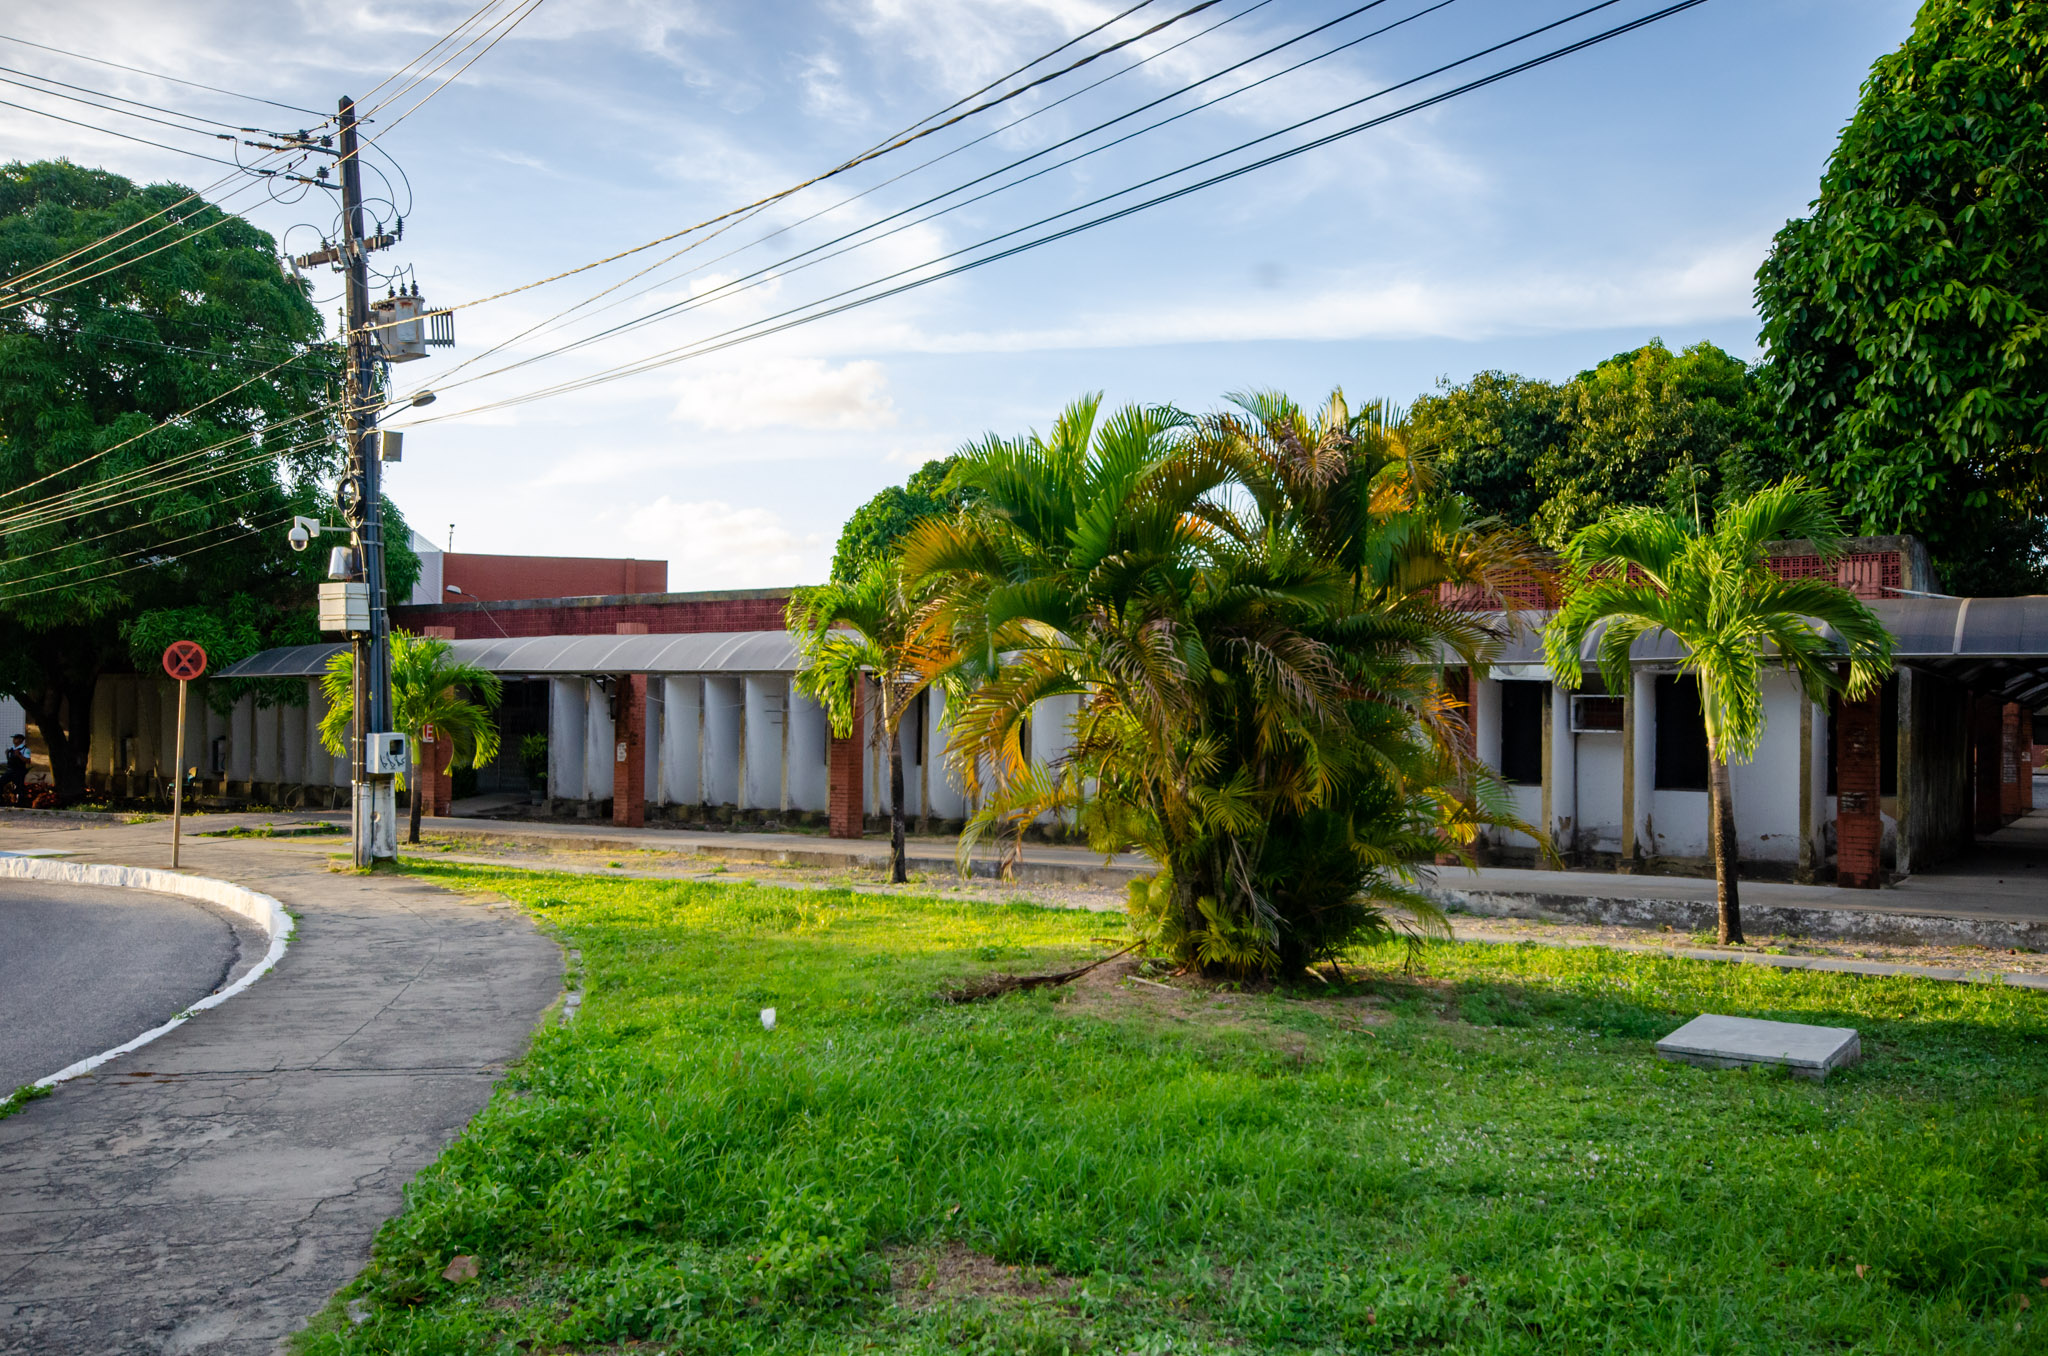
(1682,430)
(876,526)
(165,409)
(1906,319)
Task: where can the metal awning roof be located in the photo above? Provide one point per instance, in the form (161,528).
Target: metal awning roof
(1990,644)
(704,652)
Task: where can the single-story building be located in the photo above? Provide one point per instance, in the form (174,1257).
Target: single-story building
(680,706)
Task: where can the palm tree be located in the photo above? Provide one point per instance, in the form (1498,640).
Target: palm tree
(1642,570)
(1250,608)
(858,634)
(427,688)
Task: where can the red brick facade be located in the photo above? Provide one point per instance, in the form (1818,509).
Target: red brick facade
(846,801)
(659,613)
(1859,822)
(495,578)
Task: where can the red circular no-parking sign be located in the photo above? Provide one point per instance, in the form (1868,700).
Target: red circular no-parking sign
(184,660)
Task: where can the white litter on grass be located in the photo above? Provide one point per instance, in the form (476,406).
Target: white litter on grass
(767,1019)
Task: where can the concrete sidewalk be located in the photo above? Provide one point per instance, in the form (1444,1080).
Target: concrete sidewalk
(208,1192)
(1040,862)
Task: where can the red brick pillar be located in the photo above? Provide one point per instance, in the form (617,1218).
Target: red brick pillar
(1859,823)
(437,779)
(629,776)
(1987,749)
(846,794)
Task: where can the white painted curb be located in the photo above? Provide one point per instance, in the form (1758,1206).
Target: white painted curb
(259,909)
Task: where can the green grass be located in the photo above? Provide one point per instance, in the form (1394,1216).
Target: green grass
(1482,1155)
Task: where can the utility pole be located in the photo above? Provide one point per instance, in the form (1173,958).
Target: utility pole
(375,805)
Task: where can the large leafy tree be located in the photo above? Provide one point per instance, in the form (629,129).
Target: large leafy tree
(164,410)
(878,525)
(1683,430)
(1250,608)
(863,636)
(1906,319)
(429,687)
(1638,571)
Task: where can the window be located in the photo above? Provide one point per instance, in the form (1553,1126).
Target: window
(1681,735)
(1521,732)
(1596,713)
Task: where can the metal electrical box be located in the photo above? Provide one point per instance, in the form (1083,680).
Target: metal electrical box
(390,445)
(345,606)
(387,753)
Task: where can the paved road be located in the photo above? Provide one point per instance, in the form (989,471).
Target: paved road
(84,968)
(207,1193)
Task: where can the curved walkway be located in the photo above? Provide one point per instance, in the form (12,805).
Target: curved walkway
(85,967)
(208,1192)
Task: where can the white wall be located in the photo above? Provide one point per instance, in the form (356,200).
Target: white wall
(764,695)
(567,731)
(681,726)
(599,750)
(809,745)
(1598,793)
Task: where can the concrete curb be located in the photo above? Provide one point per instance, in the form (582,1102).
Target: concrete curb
(1887,925)
(259,909)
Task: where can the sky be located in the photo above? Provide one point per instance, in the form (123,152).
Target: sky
(1536,225)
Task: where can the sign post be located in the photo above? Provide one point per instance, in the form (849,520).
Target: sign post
(184,661)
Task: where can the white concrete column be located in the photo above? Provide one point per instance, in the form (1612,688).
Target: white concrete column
(1643,698)
(241,733)
(809,754)
(682,761)
(1564,771)
(657,716)
(763,697)
(264,762)
(1486,720)
(724,699)
(949,797)
(599,759)
(566,734)
(291,745)
(167,729)
(100,748)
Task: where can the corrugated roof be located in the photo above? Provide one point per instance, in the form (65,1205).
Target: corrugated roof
(704,652)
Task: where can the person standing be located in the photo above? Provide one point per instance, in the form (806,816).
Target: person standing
(18,756)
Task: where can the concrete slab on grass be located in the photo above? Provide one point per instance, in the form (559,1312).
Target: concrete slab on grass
(1740,1042)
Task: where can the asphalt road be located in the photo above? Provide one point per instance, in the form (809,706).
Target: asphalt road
(84,968)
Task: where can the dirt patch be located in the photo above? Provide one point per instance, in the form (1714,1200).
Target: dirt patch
(922,1278)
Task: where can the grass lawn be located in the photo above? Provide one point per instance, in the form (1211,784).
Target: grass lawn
(1481,1155)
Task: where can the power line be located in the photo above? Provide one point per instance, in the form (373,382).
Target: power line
(794,316)
(157,75)
(126,113)
(108,131)
(502,344)
(782,267)
(841,168)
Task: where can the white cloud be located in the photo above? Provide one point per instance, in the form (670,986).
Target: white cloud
(786,393)
(711,544)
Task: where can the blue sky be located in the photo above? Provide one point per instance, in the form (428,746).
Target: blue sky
(1538,225)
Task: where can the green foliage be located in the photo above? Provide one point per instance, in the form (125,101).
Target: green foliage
(428,687)
(1240,603)
(1483,1155)
(878,525)
(1905,318)
(1641,571)
(533,757)
(1687,431)
(115,532)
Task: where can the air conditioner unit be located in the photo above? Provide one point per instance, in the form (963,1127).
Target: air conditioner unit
(1596,713)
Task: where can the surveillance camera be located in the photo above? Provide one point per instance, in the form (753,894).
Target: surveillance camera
(298,537)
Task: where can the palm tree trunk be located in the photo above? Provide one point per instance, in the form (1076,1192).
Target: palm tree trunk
(1721,836)
(412,791)
(897,874)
